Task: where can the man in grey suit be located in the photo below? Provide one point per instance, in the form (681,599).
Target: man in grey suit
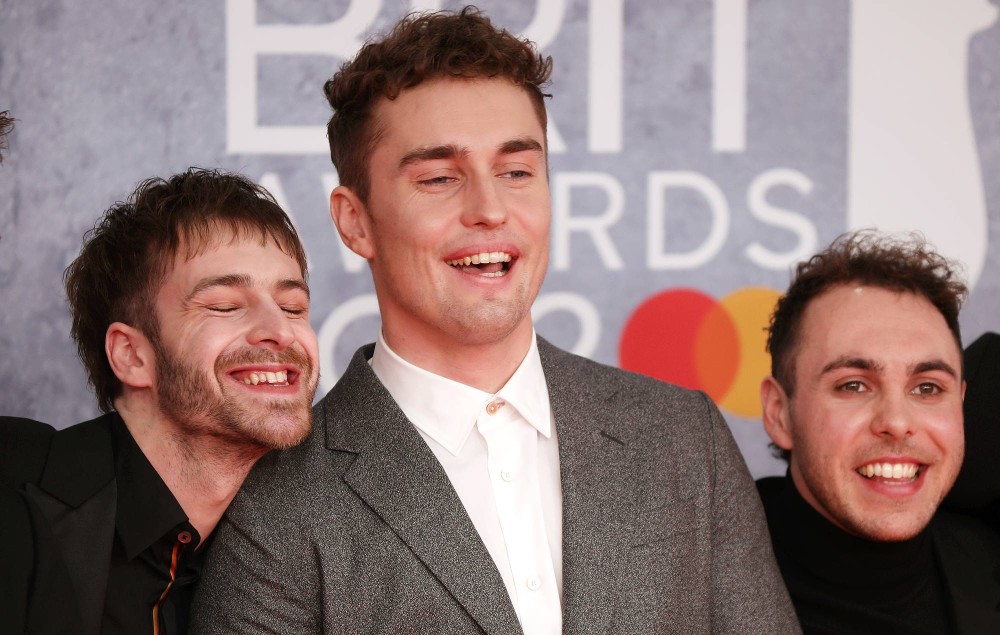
(465,476)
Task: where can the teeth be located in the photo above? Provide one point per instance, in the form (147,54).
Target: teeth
(266,377)
(900,471)
(481,259)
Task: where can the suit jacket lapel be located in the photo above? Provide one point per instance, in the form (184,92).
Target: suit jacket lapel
(597,477)
(400,478)
(76,500)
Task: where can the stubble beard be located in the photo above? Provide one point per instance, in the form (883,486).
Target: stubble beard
(188,398)
(894,522)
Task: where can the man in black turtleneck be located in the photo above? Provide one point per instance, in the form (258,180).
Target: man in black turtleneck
(865,403)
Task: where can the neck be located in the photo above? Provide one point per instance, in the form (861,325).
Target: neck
(486,366)
(202,471)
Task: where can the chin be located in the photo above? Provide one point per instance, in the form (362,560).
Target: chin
(892,529)
(277,430)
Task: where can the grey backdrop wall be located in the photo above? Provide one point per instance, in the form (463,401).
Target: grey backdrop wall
(698,149)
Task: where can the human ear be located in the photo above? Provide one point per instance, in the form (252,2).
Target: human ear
(352,220)
(777,422)
(130,355)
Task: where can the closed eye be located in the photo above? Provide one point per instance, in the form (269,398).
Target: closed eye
(516,174)
(437,180)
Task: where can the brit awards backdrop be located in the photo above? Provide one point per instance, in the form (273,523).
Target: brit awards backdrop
(698,150)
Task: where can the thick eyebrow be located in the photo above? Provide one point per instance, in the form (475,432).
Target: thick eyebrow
(524,144)
(242,280)
(289,284)
(431,154)
(451,151)
(862,363)
(934,364)
(859,363)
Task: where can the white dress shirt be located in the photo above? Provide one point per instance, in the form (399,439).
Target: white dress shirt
(501,454)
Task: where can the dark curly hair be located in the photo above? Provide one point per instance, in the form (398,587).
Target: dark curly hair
(127,254)
(422,46)
(865,257)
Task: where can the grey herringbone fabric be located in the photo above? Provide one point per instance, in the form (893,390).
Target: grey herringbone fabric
(358,530)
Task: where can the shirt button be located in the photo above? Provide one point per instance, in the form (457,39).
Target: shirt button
(533,582)
(506,475)
(184,537)
(493,406)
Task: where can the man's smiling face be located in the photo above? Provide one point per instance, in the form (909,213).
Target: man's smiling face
(235,354)
(457,222)
(874,423)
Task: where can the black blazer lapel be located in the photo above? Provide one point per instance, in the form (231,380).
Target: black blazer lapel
(597,482)
(75,502)
(400,478)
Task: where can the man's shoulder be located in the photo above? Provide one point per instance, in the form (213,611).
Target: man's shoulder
(967,533)
(661,419)
(19,435)
(76,456)
(587,372)
(24,446)
(968,552)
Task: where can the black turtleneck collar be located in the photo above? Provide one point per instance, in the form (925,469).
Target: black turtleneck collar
(841,583)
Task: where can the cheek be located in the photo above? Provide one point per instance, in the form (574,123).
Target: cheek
(825,431)
(213,342)
(537,216)
(948,432)
(305,335)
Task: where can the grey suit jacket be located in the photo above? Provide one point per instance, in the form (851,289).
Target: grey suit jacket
(359,530)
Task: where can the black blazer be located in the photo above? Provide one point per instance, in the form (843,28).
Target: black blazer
(57,500)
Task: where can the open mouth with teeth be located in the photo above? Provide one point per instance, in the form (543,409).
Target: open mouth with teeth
(492,264)
(265,377)
(891,473)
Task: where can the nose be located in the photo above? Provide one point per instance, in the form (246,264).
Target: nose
(270,327)
(892,420)
(484,204)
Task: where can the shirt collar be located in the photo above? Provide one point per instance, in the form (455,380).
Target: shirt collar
(146,508)
(447,410)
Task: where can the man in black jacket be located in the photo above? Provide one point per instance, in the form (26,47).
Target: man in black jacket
(865,402)
(190,314)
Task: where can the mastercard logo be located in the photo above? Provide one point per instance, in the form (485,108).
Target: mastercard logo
(687,338)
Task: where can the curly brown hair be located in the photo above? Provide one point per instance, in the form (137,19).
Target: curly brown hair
(905,264)
(421,47)
(129,251)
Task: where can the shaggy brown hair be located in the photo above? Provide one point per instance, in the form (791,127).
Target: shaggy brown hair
(421,47)
(128,253)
